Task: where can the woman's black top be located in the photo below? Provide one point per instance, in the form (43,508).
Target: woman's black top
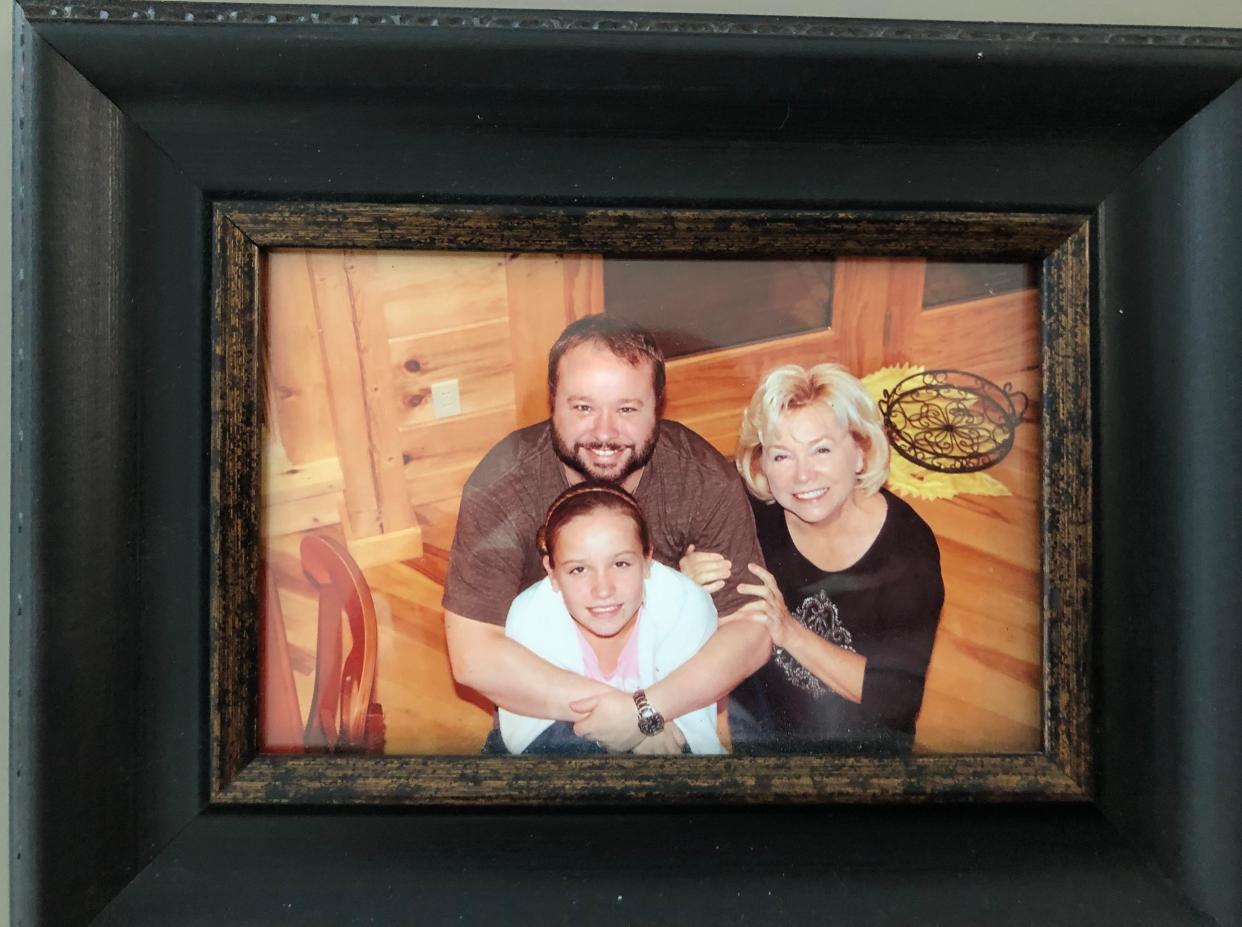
(885,607)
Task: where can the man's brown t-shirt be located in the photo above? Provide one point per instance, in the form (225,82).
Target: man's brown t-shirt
(689,493)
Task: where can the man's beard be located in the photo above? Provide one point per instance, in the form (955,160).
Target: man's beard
(639,457)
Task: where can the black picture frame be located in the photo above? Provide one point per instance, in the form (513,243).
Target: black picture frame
(132,118)
(1059,768)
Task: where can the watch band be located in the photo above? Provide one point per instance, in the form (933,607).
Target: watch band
(650,721)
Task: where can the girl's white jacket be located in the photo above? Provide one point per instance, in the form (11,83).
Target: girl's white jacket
(677,617)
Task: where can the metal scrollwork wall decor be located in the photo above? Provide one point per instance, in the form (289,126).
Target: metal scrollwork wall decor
(952,421)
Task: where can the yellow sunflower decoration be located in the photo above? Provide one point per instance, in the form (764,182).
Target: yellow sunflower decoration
(909,479)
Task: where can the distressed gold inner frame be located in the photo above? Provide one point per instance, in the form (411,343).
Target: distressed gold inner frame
(240,775)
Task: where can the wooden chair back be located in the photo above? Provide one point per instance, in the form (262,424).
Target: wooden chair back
(343,715)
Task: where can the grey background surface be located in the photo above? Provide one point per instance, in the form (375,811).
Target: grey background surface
(1207,13)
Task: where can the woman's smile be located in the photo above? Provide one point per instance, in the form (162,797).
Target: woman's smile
(812,464)
(809,494)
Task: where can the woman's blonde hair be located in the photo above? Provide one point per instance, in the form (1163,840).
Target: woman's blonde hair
(791,387)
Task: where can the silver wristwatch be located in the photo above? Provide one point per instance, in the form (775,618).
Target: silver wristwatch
(650,721)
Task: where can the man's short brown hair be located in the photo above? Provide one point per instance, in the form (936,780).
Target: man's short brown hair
(631,343)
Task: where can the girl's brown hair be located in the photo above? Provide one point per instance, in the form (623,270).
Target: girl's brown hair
(582,499)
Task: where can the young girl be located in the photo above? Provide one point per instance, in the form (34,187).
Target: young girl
(607,611)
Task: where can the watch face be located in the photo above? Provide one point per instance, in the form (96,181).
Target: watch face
(650,722)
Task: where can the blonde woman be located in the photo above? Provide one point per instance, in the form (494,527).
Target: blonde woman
(852,594)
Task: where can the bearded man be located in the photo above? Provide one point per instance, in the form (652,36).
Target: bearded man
(606,389)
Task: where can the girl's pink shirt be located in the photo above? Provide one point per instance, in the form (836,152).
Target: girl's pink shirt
(625,677)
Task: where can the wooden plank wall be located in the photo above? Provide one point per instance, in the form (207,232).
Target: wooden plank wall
(487,321)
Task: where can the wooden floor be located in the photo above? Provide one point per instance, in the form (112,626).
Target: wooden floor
(984,684)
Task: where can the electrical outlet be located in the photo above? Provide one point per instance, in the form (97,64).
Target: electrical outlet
(446,398)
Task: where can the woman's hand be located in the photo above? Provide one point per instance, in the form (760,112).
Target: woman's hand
(669,742)
(767,609)
(839,669)
(709,570)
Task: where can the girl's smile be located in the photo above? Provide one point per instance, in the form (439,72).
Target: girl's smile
(599,571)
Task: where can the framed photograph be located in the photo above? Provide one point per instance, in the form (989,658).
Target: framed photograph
(979,363)
(1046,218)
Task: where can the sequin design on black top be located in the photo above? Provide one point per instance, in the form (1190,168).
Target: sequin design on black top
(819,615)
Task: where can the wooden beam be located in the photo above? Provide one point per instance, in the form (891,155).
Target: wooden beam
(343,367)
(379,399)
(546,293)
(903,310)
(299,412)
(860,296)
